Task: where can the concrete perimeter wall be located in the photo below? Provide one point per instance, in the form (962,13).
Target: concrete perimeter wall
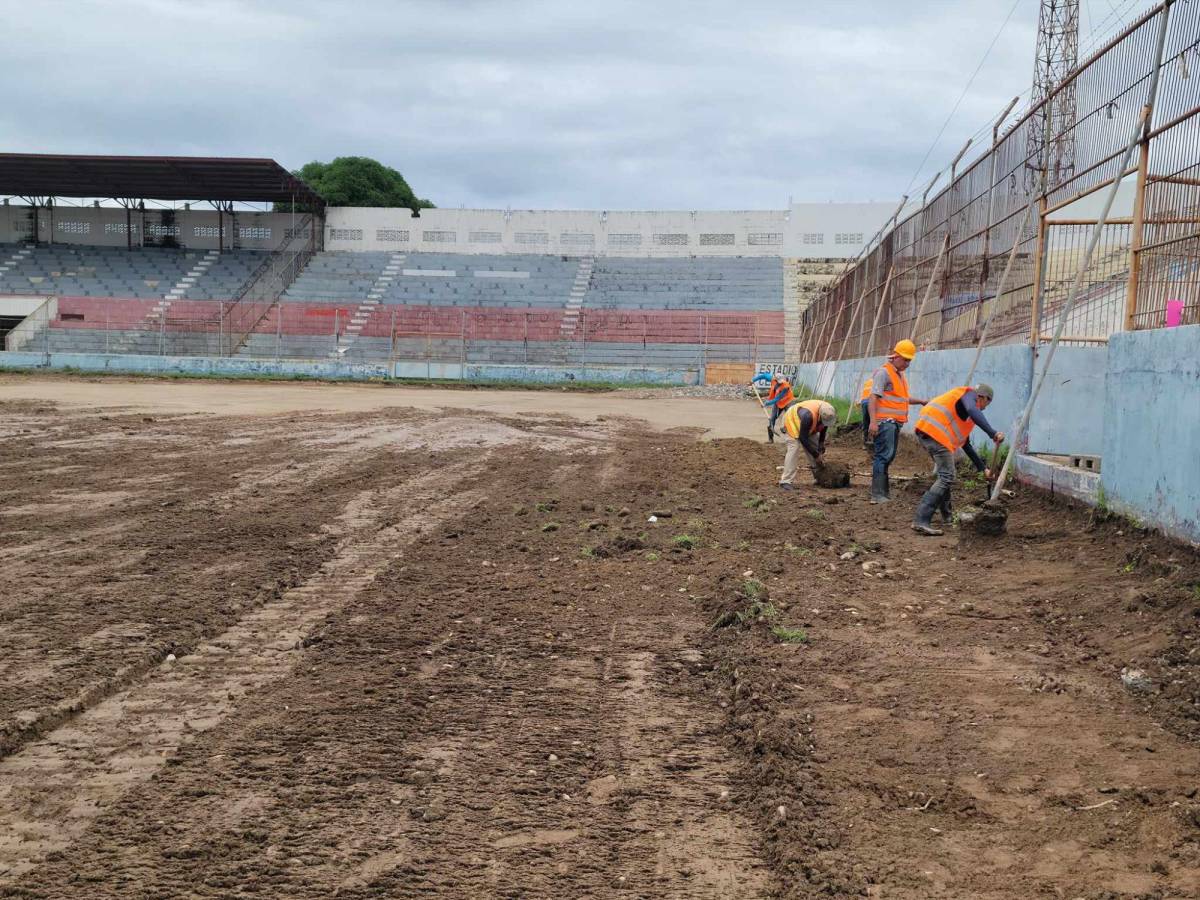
(335,369)
(1135,404)
(1152,436)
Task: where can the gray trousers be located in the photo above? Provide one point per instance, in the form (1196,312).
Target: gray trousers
(938,496)
(791,458)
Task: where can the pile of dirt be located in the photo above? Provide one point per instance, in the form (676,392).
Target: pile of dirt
(832,475)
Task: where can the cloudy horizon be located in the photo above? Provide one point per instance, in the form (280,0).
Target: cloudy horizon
(534,104)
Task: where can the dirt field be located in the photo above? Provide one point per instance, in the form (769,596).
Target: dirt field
(297,645)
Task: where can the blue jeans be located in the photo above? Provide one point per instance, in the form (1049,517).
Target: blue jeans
(885,452)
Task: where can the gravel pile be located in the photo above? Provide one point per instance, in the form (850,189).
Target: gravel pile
(704,391)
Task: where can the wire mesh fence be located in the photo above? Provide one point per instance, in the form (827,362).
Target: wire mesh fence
(935,276)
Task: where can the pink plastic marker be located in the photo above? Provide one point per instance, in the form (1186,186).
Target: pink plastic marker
(1174,313)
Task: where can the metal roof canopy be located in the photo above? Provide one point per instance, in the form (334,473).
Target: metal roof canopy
(152,178)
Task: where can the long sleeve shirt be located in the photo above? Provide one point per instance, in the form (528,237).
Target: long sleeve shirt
(967,407)
(806,434)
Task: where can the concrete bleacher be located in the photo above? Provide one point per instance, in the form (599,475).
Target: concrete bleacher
(699,283)
(142,273)
(437,279)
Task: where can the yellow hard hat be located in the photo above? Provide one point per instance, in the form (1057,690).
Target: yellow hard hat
(905,348)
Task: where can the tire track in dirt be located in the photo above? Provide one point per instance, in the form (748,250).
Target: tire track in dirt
(52,789)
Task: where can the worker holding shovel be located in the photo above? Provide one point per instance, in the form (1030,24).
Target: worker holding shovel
(779,397)
(804,425)
(943,427)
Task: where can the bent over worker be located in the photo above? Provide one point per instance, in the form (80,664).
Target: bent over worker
(804,425)
(943,427)
(888,409)
(779,397)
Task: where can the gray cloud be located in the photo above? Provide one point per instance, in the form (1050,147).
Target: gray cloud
(609,104)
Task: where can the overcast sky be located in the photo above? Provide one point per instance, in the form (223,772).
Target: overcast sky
(607,104)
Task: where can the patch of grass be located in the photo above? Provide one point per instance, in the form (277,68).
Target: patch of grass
(1129,567)
(758,611)
(753,589)
(651,555)
(550,526)
(756,503)
(798,551)
(743,546)
(696,525)
(686,541)
(840,406)
(814,513)
(545,506)
(587,552)
(1196,592)
(790,635)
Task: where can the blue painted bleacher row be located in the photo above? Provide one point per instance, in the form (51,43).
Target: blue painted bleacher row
(438,279)
(143,273)
(703,284)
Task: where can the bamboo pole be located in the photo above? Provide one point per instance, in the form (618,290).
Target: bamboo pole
(1142,123)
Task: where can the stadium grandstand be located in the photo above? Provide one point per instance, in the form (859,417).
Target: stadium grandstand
(119,272)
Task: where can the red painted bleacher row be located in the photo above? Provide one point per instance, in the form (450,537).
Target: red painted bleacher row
(660,327)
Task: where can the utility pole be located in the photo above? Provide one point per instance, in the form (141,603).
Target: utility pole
(1056,57)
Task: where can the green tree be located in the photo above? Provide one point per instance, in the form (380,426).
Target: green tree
(358,181)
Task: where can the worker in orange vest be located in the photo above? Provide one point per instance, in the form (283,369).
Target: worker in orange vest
(888,405)
(804,424)
(943,428)
(779,397)
(864,402)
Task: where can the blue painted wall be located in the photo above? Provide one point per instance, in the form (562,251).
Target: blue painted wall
(1151,464)
(334,369)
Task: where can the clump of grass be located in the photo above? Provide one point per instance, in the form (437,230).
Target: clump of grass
(790,635)
(756,503)
(753,589)
(757,611)
(798,551)
(1129,567)
(587,552)
(686,541)
(550,526)
(814,513)
(696,524)
(545,506)
(743,546)
(651,555)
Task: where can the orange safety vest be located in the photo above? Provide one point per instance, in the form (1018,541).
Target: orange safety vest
(866,393)
(781,386)
(791,419)
(939,421)
(893,404)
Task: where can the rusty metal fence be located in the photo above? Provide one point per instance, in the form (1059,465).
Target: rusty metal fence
(935,275)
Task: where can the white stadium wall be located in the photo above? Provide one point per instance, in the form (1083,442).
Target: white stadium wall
(805,231)
(812,230)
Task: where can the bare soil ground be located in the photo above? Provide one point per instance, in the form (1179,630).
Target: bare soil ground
(399,653)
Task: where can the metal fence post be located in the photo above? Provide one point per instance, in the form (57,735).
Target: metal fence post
(278,331)
(336,313)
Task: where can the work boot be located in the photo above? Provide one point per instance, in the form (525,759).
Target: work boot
(879,488)
(947,511)
(784,486)
(770,435)
(927,530)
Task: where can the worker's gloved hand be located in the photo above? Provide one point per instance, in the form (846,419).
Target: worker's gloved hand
(999,438)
